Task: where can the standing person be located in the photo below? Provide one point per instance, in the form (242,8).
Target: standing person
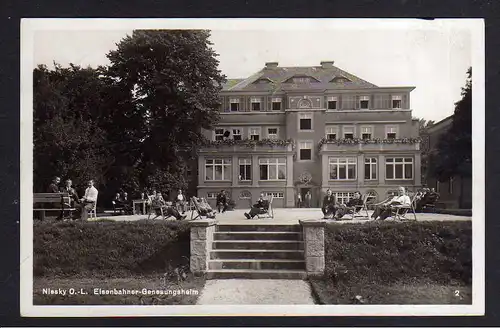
(384,210)
(88,201)
(329,205)
(308,199)
(54,186)
(222,201)
(181,201)
(262,204)
(299,200)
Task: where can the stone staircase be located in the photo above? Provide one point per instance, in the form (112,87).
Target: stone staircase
(257,251)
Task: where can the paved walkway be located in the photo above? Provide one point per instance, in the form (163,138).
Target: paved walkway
(254,292)
(292,216)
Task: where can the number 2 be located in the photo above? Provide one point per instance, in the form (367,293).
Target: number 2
(457,293)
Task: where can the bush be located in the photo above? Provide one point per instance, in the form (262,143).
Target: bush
(386,253)
(109,248)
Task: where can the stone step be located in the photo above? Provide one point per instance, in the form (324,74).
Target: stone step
(258,244)
(259,254)
(275,264)
(259,227)
(257,235)
(256,274)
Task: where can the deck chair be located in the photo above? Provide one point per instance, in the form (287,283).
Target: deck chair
(267,212)
(197,212)
(358,210)
(399,211)
(93,211)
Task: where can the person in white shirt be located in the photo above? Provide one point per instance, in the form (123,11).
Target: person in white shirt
(384,209)
(88,201)
(181,203)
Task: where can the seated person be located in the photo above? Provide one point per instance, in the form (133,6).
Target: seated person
(181,202)
(158,203)
(117,201)
(330,205)
(222,201)
(204,208)
(68,189)
(260,207)
(126,203)
(354,204)
(88,201)
(422,199)
(384,209)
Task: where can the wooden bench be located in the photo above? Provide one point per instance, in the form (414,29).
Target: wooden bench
(61,200)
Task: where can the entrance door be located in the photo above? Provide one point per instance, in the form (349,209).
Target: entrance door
(306,202)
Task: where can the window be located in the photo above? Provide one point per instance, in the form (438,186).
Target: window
(348,132)
(235,104)
(342,168)
(391,131)
(211,195)
(272,133)
(332,103)
(343,197)
(331,132)
(219,134)
(366,132)
(305,150)
(396,102)
(272,168)
(370,168)
(236,134)
(299,80)
(399,168)
(254,134)
(245,169)
(275,194)
(255,104)
(364,102)
(218,169)
(305,122)
(276,104)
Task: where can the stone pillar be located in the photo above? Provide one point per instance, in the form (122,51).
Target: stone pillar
(289,170)
(202,232)
(361,169)
(325,171)
(417,170)
(255,171)
(236,170)
(313,232)
(381,169)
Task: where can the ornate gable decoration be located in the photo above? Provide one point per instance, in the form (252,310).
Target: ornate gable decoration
(301,79)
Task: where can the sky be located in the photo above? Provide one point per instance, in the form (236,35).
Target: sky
(431,57)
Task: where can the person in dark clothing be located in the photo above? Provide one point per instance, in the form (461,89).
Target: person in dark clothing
(73,195)
(222,201)
(54,186)
(329,204)
(159,203)
(350,206)
(257,208)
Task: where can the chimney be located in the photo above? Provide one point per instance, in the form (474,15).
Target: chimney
(327,64)
(271,64)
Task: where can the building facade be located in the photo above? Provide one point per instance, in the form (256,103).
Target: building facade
(292,130)
(456,192)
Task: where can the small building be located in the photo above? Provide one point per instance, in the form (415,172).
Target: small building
(456,192)
(286,131)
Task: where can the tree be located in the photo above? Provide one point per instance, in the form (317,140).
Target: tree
(67,139)
(423,126)
(453,156)
(169,84)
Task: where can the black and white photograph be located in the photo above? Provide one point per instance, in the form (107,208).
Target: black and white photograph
(252,167)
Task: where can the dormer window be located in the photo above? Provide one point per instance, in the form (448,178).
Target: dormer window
(264,80)
(302,79)
(340,79)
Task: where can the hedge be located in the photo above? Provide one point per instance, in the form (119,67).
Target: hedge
(111,249)
(386,253)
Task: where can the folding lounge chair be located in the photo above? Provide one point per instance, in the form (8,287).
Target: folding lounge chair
(399,211)
(356,211)
(197,209)
(269,212)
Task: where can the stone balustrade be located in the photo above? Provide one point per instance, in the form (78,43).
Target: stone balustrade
(202,232)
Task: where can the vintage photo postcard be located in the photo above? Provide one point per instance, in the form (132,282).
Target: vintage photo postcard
(204,167)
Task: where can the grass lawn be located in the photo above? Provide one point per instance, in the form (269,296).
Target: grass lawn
(397,293)
(183,293)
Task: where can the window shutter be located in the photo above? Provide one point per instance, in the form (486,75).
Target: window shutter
(339,102)
(269,103)
(372,102)
(404,102)
(356,102)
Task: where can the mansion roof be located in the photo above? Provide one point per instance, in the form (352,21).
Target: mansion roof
(275,78)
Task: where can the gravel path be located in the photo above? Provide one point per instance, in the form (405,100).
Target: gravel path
(253,292)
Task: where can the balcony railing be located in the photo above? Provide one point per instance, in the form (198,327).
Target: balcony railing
(369,144)
(248,144)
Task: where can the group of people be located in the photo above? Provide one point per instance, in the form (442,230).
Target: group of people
(385,208)
(306,201)
(335,210)
(121,200)
(82,205)
(425,197)
(161,206)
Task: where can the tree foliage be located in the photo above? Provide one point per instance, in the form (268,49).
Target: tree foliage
(133,123)
(453,155)
(423,126)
